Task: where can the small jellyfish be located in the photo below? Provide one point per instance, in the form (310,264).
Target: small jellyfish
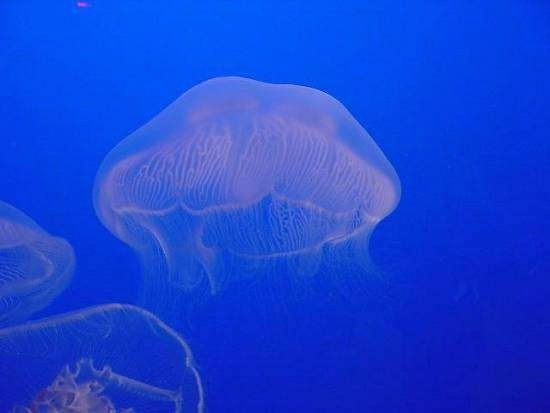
(238,178)
(110,358)
(34,266)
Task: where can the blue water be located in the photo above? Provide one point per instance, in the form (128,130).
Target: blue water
(456,94)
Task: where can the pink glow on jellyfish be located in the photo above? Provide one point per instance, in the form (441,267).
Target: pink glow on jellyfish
(239,178)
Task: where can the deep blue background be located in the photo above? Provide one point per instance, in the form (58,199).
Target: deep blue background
(457,95)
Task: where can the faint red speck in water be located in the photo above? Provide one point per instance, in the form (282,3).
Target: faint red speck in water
(83,4)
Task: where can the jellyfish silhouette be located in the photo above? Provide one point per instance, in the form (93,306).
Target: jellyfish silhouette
(110,358)
(238,178)
(34,266)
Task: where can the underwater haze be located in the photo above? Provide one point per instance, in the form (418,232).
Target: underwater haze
(274,206)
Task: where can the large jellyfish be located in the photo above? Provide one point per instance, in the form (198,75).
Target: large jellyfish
(110,358)
(34,266)
(239,177)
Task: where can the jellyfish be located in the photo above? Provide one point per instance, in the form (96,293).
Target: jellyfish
(34,266)
(109,358)
(238,178)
